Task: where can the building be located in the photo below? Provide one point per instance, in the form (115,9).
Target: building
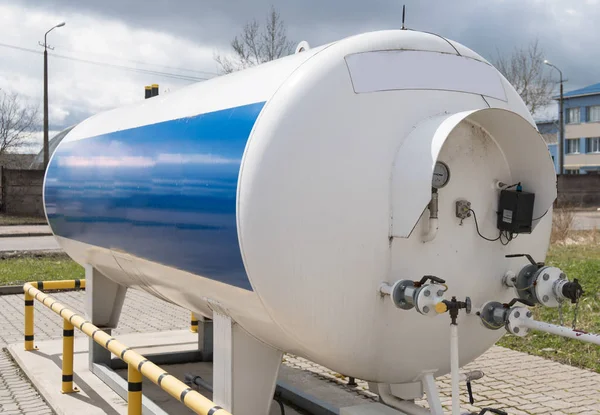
(548,128)
(582,130)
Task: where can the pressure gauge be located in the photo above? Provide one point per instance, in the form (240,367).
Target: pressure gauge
(441,175)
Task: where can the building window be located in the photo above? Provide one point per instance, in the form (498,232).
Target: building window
(570,171)
(594,113)
(572,146)
(573,115)
(593,145)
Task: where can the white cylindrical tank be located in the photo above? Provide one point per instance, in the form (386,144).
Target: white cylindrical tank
(289,192)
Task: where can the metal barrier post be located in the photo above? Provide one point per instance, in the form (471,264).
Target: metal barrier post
(194,324)
(29,322)
(134,391)
(67,358)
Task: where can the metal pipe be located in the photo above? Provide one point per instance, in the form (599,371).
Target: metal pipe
(561,331)
(454,369)
(170,384)
(134,391)
(198,381)
(433,224)
(67,358)
(385,289)
(410,408)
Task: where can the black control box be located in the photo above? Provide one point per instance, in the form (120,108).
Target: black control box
(515,211)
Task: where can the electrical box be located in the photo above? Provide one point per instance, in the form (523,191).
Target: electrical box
(515,211)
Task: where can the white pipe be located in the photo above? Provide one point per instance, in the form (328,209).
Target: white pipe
(385,289)
(561,331)
(454,369)
(433,224)
(410,408)
(432,230)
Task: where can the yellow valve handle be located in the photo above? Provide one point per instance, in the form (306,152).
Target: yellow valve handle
(441,308)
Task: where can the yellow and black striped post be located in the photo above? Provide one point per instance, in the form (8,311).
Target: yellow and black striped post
(136,362)
(194,324)
(134,391)
(29,322)
(67,357)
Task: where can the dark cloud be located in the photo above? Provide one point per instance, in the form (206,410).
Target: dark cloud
(565,28)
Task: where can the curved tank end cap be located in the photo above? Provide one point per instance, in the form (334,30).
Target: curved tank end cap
(524,148)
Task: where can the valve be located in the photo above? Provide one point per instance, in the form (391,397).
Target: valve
(542,284)
(453,306)
(494,315)
(425,295)
(469,377)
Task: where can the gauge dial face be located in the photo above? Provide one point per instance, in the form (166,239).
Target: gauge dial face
(441,175)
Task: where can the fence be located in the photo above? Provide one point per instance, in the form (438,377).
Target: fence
(138,365)
(21,192)
(579,190)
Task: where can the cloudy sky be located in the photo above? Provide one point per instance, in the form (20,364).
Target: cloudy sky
(179,38)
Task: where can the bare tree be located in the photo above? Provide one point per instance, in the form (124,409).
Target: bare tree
(18,121)
(524,69)
(256,44)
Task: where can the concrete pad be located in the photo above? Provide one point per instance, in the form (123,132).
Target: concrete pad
(43,367)
(370,409)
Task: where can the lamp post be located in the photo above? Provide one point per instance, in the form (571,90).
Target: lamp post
(561,127)
(45,45)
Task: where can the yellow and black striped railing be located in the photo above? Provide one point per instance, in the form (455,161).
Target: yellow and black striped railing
(138,365)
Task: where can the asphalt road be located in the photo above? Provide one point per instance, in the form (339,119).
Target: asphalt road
(586,221)
(28,243)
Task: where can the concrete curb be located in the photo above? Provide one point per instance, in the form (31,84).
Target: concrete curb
(11,289)
(16,235)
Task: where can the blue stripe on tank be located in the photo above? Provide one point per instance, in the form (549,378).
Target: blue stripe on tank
(164,192)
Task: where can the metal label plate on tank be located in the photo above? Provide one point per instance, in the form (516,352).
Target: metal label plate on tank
(164,192)
(401,70)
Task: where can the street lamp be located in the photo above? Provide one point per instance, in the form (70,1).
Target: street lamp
(45,45)
(561,138)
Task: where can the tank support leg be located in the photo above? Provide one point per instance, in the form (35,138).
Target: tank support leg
(244,369)
(205,338)
(103,304)
(433,397)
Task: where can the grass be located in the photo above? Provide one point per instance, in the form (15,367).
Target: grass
(581,262)
(16,270)
(7,220)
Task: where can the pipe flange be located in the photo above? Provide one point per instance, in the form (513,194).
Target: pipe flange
(546,290)
(398,294)
(492,315)
(514,321)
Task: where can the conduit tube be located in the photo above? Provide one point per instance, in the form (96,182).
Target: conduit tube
(433,217)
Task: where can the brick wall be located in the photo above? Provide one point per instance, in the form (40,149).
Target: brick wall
(21,192)
(579,190)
